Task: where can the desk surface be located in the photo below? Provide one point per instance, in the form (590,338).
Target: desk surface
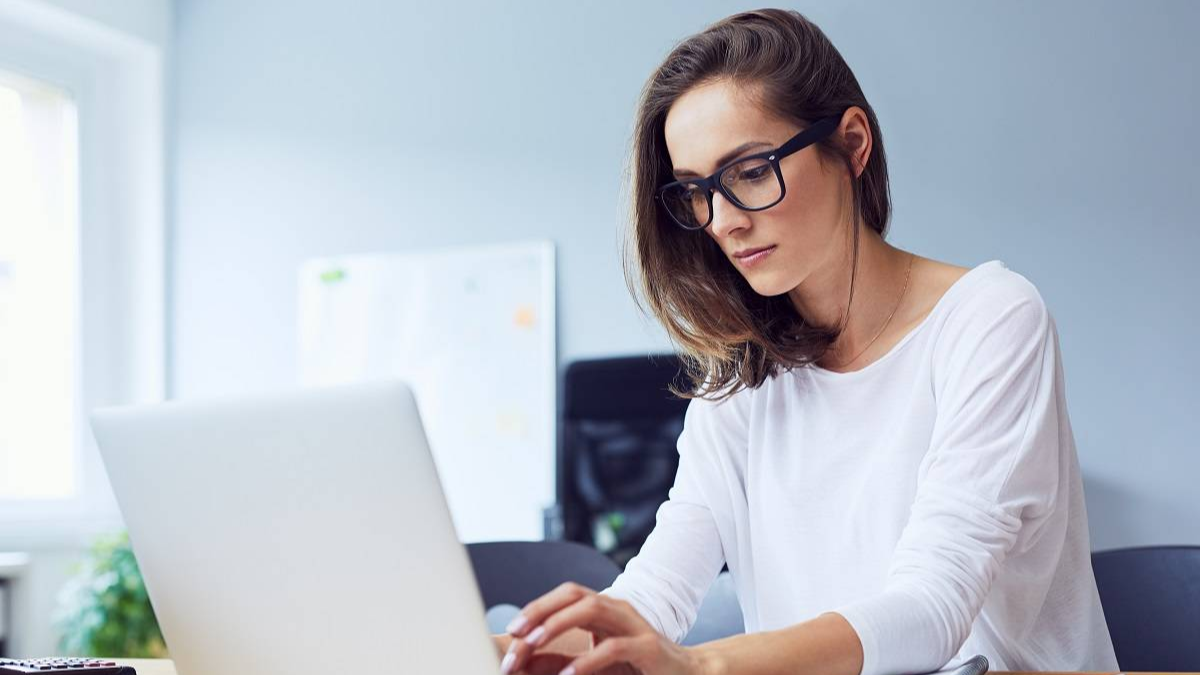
(164,667)
(150,666)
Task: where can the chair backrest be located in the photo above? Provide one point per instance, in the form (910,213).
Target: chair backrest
(617,454)
(1151,599)
(517,572)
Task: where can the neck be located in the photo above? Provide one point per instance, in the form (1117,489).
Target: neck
(823,295)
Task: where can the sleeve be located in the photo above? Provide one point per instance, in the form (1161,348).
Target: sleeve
(669,577)
(986,488)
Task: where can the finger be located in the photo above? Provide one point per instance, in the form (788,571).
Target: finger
(518,652)
(552,657)
(546,664)
(597,613)
(501,642)
(534,613)
(565,646)
(637,650)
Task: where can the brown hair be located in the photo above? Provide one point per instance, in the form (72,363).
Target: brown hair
(730,337)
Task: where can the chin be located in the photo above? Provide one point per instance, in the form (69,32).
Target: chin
(768,285)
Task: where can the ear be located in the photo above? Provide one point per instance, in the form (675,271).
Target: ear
(856,134)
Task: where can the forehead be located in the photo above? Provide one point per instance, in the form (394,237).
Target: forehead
(709,120)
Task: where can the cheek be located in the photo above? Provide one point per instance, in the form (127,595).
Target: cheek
(810,206)
(790,220)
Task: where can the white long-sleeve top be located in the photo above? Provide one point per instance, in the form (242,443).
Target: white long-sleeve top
(932,498)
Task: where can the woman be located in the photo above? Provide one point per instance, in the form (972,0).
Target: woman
(878,443)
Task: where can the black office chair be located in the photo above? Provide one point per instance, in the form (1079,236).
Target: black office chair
(616,452)
(516,572)
(617,458)
(1151,599)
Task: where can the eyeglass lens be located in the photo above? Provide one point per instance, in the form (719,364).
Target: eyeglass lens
(752,183)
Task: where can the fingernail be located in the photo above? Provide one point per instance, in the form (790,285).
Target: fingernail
(569,670)
(535,638)
(516,624)
(507,663)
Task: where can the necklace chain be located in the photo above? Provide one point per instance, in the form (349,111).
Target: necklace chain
(889,319)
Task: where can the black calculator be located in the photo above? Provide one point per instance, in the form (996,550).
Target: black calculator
(64,664)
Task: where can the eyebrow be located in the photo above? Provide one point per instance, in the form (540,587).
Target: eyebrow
(726,158)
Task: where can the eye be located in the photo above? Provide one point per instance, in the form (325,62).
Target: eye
(693,193)
(755,173)
(750,171)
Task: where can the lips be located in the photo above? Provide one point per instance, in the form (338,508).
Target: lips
(750,258)
(746,253)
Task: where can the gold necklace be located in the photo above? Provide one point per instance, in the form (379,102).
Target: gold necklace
(889,319)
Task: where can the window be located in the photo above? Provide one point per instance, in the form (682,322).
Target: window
(82,261)
(39,280)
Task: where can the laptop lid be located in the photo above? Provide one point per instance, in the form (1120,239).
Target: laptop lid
(296,533)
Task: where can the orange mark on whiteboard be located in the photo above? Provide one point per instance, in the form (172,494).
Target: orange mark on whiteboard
(524,317)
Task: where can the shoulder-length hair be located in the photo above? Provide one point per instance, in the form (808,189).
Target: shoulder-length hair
(729,336)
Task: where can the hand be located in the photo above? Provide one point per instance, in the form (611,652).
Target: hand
(624,643)
(553,655)
(501,642)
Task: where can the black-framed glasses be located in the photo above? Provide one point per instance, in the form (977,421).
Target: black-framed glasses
(751,183)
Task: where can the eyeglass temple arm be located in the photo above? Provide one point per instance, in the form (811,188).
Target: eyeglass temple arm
(812,134)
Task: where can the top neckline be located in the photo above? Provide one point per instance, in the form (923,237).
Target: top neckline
(955,288)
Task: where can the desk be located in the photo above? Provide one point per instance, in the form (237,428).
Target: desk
(164,667)
(150,666)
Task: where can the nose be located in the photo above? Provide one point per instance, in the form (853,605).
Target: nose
(727,218)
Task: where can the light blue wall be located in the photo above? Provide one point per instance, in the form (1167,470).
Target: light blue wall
(1058,137)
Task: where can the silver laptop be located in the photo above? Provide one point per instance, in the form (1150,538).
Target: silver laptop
(296,533)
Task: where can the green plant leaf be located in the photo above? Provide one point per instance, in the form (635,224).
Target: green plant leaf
(103,610)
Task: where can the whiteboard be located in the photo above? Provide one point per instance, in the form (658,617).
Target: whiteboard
(473,331)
